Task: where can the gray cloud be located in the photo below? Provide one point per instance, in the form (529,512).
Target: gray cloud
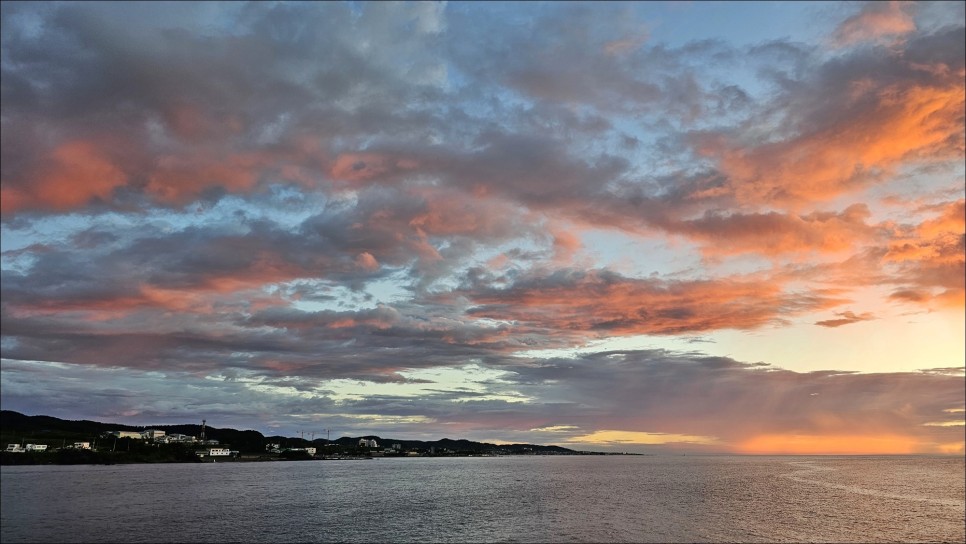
(650,391)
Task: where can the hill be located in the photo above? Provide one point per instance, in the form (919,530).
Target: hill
(16,427)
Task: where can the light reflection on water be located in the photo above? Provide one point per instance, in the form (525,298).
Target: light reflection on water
(511,499)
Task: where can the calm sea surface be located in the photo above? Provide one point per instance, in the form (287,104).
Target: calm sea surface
(508,499)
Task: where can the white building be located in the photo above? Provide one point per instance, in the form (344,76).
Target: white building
(81,445)
(125,434)
(14,448)
(368,443)
(36,447)
(310,451)
(219,452)
(151,434)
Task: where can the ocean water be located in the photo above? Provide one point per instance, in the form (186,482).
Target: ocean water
(496,499)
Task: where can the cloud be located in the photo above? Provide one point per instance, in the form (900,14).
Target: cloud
(366,261)
(267,126)
(850,123)
(876,20)
(610,437)
(360,167)
(929,258)
(945,423)
(605,303)
(630,400)
(690,394)
(845,318)
(560,56)
(776,234)
(74,174)
(554,429)
(833,159)
(203,107)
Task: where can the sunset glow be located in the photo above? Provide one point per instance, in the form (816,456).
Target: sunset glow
(831,445)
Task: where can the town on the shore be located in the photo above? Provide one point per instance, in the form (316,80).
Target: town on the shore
(210,448)
(48,440)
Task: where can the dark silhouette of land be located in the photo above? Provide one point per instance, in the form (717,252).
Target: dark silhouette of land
(60,437)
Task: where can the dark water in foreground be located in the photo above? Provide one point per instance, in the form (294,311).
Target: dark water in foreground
(511,499)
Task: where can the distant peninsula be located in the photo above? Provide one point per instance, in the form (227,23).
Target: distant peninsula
(30,440)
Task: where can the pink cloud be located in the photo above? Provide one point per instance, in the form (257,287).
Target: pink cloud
(876,20)
(71,176)
(366,261)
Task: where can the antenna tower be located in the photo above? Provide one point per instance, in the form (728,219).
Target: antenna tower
(203,421)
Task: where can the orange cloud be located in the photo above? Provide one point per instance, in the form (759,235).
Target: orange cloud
(952,219)
(605,303)
(930,258)
(778,233)
(845,318)
(895,124)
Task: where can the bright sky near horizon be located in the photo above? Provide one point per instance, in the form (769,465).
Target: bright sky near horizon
(727,226)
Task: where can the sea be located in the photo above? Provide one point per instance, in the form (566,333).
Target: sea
(493,499)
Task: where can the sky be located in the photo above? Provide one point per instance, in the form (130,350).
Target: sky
(644,227)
